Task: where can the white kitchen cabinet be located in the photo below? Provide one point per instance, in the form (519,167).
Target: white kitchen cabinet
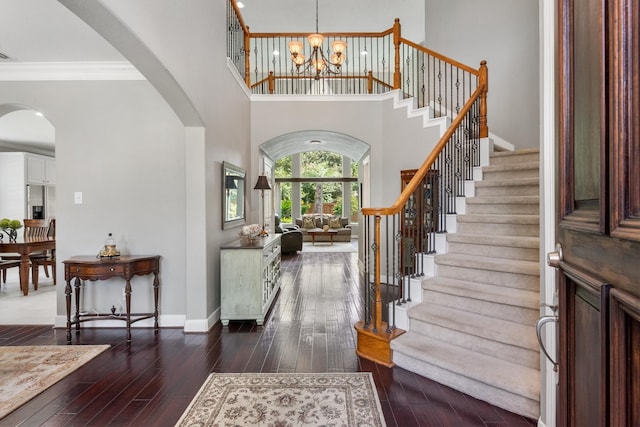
(249,279)
(40,170)
(27,185)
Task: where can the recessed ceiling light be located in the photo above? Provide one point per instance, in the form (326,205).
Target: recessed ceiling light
(39,114)
(240,4)
(316,142)
(276,53)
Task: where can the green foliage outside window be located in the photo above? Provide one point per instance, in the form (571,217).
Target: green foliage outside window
(315,164)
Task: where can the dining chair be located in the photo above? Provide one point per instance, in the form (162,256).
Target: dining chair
(45,259)
(37,228)
(5,265)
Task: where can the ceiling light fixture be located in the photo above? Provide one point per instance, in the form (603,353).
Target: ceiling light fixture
(317,65)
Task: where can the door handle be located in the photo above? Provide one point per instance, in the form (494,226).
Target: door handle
(554,258)
(539,324)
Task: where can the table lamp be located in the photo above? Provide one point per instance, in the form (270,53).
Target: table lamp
(262,184)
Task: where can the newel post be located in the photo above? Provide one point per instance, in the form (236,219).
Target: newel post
(247,53)
(370,82)
(483,82)
(377,316)
(396,45)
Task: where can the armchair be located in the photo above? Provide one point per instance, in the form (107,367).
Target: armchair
(291,238)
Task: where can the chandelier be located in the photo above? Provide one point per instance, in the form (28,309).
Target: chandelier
(317,65)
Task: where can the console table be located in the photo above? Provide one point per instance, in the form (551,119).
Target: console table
(124,267)
(249,278)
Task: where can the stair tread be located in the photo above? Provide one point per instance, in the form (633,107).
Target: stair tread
(497,373)
(533,200)
(483,291)
(531,268)
(524,182)
(474,324)
(495,240)
(519,152)
(500,219)
(511,167)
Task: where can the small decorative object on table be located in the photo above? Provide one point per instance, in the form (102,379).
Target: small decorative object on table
(110,249)
(249,234)
(10,227)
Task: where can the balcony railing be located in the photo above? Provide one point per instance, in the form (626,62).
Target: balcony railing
(374,63)
(396,238)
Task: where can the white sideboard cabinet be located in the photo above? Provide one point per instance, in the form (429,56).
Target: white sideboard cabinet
(249,279)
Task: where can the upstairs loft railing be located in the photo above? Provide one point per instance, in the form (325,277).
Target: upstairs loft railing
(374,63)
(396,238)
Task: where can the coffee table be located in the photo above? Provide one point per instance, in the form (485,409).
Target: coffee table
(319,231)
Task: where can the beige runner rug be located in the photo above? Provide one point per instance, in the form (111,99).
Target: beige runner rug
(332,399)
(27,371)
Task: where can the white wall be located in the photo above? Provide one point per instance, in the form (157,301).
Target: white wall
(188,39)
(121,146)
(277,16)
(505,33)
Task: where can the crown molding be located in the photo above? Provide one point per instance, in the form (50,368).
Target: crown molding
(58,71)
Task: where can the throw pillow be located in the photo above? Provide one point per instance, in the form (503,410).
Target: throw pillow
(335,223)
(308,223)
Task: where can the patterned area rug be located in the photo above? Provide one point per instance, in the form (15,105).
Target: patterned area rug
(344,399)
(27,371)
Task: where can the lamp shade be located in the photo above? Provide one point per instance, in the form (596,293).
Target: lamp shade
(295,47)
(339,46)
(336,59)
(315,40)
(262,184)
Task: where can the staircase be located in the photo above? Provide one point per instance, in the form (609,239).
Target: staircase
(475,329)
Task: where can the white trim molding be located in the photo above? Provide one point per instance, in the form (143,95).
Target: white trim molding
(60,71)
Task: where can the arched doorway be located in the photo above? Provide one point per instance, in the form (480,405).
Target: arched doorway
(296,144)
(27,143)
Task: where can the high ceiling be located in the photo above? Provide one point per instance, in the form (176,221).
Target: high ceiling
(42,31)
(46,32)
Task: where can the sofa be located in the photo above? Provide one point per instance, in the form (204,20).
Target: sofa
(291,238)
(311,221)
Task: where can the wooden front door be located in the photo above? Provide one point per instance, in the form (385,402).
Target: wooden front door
(599,216)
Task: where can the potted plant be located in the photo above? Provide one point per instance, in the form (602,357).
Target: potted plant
(10,227)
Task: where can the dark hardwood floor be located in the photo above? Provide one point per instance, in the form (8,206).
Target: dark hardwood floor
(310,329)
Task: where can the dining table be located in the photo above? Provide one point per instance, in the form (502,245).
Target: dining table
(25,246)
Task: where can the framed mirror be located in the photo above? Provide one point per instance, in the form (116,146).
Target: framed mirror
(233,192)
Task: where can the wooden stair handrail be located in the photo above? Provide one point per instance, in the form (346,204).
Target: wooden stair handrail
(440,56)
(431,158)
